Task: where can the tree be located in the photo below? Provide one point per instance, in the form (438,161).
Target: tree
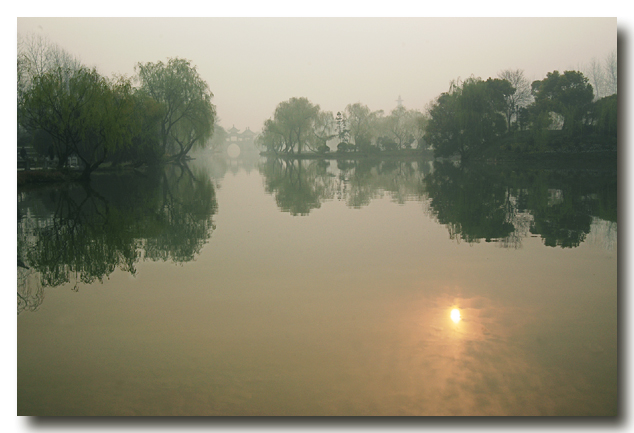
(360,121)
(611,73)
(271,138)
(602,75)
(443,131)
(111,124)
(323,131)
(596,77)
(82,112)
(188,116)
(36,55)
(521,97)
(147,115)
(291,127)
(605,115)
(467,118)
(58,103)
(480,104)
(218,140)
(420,122)
(568,94)
(402,127)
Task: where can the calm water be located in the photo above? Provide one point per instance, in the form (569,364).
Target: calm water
(255,287)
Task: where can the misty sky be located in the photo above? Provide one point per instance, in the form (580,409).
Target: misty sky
(252,64)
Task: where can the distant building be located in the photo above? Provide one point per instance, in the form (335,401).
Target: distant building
(245,139)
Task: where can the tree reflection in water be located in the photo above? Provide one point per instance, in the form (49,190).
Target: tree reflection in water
(300,186)
(475,202)
(502,204)
(81,233)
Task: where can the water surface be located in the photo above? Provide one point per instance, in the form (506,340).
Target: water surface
(280,287)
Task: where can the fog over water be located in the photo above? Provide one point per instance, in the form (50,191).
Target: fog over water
(325,286)
(252,64)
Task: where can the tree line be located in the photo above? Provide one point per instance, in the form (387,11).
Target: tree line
(561,112)
(164,111)
(66,108)
(474,118)
(298,126)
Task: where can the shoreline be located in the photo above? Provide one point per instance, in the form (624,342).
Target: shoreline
(582,160)
(502,157)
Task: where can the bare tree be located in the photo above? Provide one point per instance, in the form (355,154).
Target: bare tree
(610,66)
(401,126)
(602,75)
(594,72)
(520,98)
(38,55)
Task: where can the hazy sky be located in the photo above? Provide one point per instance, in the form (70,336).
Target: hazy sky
(252,64)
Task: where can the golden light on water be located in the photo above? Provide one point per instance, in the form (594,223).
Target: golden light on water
(455,315)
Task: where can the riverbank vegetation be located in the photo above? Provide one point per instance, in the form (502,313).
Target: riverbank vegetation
(299,127)
(563,117)
(503,118)
(68,109)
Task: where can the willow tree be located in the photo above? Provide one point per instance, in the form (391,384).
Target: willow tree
(36,55)
(292,126)
(272,137)
(361,121)
(83,113)
(55,103)
(324,130)
(188,114)
(111,123)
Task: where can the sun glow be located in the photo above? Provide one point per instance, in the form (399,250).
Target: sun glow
(455,315)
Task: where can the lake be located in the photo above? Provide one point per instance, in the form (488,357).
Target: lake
(255,286)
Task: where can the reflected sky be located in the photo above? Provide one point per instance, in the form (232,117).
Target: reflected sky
(346,311)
